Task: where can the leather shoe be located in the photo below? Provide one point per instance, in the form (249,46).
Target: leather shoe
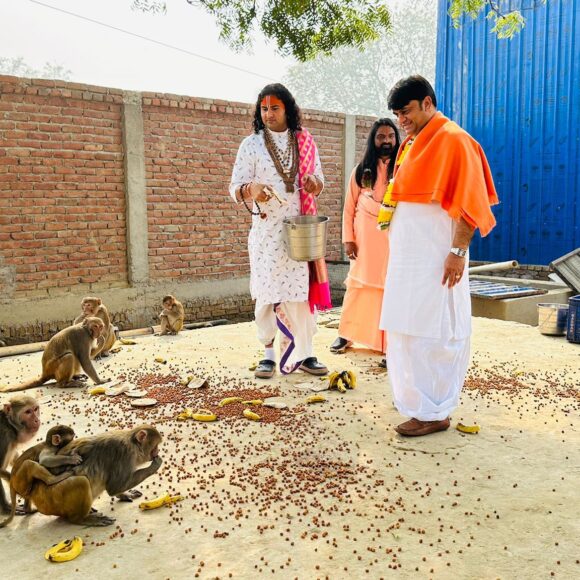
(312,366)
(417,428)
(340,345)
(265,369)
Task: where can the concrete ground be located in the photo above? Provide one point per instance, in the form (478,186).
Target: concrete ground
(328,490)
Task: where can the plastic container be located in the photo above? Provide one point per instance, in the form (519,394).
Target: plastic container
(306,237)
(552,318)
(573,326)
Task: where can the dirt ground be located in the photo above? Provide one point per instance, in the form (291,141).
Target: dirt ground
(328,490)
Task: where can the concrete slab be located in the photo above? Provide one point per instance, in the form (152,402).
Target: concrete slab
(329,490)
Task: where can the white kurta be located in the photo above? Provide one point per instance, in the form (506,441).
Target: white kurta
(274,277)
(428,324)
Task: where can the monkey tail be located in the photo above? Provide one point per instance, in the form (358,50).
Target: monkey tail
(24,386)
(6,521)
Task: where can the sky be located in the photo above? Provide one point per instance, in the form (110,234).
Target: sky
(99,55)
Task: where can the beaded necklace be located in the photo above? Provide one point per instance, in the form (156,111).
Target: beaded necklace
(285,162)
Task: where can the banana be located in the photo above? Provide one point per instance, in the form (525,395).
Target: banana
(253,402)
(97,391)
(229,401)
(203,415)
(253,366)
(333,378)
(186,380)
(340,385)
(315,399)
(467,428)
(161,360)
(251,415)
(127,341)
(184,415)
(65,551)
(351,379)
(160,502)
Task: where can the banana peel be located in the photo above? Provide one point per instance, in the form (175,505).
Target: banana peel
(342,381)
(467,428)
(204,415)
(127,341)
(253,402)
(65,551)
(251,415)
(229,401)
(200,415)
(161,501)
(97,391)
(315,399)
(161,360)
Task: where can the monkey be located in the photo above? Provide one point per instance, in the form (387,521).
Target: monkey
(66,352)
(110,462)
(171,316)
(35,462)
(93,306)
(19,423)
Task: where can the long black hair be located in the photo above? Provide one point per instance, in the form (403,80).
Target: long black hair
(293,115)
(370,157)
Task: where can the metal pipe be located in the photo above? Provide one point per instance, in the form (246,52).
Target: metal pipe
(31,347)
(493,267)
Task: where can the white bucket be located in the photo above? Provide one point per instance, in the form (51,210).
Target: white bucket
(306,237)
(552,318)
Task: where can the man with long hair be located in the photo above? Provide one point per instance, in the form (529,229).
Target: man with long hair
(366,246)
(277,175)
(441,192)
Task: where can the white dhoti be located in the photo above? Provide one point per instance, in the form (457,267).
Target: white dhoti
(297,326)
(428,324)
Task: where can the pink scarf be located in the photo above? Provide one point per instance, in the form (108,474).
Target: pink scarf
(319,288)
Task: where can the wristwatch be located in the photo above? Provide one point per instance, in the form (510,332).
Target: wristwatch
(458,252)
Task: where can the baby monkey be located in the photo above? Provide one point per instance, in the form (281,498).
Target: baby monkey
(57,438)
(172,315)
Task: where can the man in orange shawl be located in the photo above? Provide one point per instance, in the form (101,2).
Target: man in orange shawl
(366,246)
(443,191)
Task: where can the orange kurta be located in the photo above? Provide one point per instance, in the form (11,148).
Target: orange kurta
(361,309)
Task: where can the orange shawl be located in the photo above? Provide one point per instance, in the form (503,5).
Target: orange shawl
(445,164)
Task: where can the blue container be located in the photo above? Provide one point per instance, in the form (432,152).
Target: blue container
(573,327)
(520,99)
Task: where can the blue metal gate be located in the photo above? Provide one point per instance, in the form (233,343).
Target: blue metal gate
(520,99)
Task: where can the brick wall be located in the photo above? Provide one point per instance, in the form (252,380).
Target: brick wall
(62,208)
(63,188)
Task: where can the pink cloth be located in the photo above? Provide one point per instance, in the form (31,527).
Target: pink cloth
(319,290)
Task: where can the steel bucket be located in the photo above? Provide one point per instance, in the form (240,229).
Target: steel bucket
(552,318)
(306,237)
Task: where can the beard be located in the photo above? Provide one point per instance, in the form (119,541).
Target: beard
(385,150)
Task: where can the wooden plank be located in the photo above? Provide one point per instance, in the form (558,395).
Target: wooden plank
(568,268)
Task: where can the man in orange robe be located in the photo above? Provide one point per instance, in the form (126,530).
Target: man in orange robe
(443,191)
(365,245)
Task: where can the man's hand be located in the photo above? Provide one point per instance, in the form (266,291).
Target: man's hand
(312,185)
(453,270)
(350,250)
(257,192)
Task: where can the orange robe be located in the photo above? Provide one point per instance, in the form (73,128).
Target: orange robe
(361,307)
(459,180)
